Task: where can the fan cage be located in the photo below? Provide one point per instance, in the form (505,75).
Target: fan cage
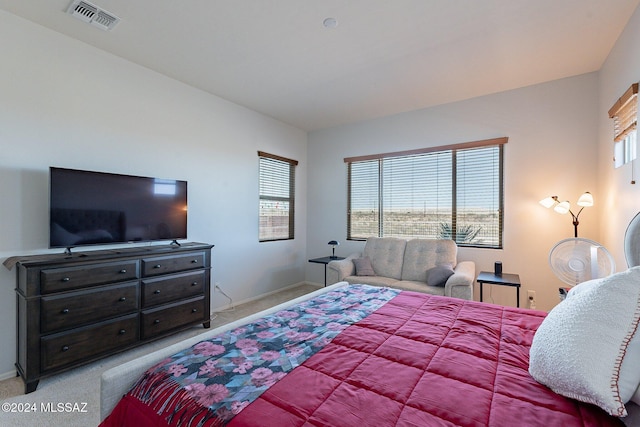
(576,260)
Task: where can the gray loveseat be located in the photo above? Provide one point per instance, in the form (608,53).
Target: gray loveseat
(408,264)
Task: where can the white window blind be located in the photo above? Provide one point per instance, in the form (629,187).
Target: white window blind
(277,197)
(417,194)
(479,206)
(452,192)
(364,199)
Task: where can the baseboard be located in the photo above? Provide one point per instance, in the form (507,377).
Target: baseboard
(8,375)
(316,284)
(244,301)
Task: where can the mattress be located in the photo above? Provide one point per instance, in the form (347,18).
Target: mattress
(388,358)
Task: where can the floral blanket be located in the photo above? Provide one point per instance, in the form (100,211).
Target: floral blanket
(215,379)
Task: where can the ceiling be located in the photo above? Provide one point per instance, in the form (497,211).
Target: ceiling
(384,57)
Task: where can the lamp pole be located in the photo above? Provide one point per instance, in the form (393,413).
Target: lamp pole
(575,221)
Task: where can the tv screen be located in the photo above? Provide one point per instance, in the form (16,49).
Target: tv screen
(91,208)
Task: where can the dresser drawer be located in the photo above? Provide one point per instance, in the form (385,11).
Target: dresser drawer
(172,288)
(171,264)
(81,344)
(162,319)
(62,279)
(83,307)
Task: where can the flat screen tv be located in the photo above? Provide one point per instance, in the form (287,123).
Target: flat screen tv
(96,208)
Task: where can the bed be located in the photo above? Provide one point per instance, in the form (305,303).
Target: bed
(353,355)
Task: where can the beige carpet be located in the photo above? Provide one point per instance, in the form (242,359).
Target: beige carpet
(71,399)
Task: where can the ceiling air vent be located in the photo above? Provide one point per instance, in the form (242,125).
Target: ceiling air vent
(93,15)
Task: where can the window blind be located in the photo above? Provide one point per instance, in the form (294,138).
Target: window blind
(417,194)
(277,197)
(453,192)
(363,219)
(625,113)
(479,201)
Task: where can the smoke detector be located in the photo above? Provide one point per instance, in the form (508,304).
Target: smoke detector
(93,15)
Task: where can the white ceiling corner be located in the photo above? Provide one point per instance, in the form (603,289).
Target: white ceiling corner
(384,57)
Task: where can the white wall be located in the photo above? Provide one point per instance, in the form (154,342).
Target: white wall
(64,103)
(552,145)
(621,201)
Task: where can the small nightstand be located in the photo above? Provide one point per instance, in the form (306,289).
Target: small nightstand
(325,260)
(503,279)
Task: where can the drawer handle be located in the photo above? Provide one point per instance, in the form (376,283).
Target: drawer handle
(65,348)
(194,310)
(124,270)
(65,279)
(122,331)
(157,291)
(157,266)
(65,311)
(194,261)
(194,284)
(155,322)
(122,299)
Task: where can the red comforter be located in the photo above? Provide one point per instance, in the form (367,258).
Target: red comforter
(420,360)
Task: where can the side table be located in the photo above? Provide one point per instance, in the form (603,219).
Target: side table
(503,279)
(325,260)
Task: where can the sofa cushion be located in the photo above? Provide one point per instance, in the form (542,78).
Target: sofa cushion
(371,280)
(386,255)
(421,255)
(363,267)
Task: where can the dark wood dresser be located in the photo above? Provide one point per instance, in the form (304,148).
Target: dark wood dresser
(74,309)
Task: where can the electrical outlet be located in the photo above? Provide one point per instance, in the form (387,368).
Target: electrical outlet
(531,296)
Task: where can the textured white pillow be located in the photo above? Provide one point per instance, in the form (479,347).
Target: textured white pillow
(584,348)
(581,287)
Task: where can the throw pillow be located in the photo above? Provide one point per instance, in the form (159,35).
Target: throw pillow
(364,267)
(587,348)
(581,287)
(438,275)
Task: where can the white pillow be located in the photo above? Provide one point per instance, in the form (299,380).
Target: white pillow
(630,368)
(587,347)
(581,287)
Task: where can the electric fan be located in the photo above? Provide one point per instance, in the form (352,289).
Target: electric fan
(577,260)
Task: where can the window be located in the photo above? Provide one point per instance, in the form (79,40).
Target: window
(277,197)
(453,192)
(625,121)
(624,151)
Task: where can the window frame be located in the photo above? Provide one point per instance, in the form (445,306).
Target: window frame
(454,149)
(263,158)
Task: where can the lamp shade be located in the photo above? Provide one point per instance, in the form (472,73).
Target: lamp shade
(586,199)
(562,207)
(333,244)
(548,202)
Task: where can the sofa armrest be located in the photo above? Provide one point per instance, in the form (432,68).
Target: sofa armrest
(460,284)
(339,269)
